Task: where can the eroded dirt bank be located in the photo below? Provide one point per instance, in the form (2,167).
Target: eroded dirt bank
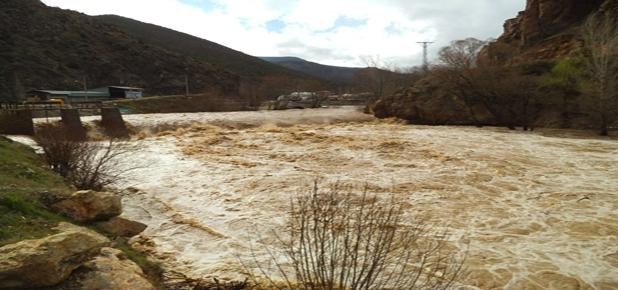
(536,211)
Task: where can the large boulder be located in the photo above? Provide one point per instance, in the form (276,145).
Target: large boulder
(111,270)
(88,205)
(50,260)
(121,227)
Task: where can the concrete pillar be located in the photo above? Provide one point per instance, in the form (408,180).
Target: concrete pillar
(16,122)
(72,122)
(112,122)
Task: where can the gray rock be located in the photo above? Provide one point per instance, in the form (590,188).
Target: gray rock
(121,227)
(111,270)
(50,260)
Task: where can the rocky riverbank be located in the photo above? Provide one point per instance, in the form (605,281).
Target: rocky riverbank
(76,257)
(55,238)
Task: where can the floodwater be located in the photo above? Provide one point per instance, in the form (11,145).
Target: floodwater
(533,210)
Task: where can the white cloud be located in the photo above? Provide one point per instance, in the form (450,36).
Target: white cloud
(391,29)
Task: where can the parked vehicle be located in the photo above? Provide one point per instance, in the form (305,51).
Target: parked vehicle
(298,100)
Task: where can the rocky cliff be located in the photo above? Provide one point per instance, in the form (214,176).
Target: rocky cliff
(51,48)
(546,30)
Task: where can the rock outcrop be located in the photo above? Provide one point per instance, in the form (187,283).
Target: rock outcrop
(88,206)
(428,103)
(546,30)
(111,270)
(50,260)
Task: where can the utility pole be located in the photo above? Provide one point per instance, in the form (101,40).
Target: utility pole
(186,85)
(84,86)
(425,60)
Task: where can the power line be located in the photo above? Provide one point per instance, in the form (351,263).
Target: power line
(425,60)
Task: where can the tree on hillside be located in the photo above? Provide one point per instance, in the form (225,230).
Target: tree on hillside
(600,35)
(565,78)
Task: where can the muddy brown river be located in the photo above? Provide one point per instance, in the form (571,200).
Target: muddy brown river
(533,210)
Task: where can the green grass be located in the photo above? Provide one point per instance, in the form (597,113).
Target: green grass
(23,174)
(22,218)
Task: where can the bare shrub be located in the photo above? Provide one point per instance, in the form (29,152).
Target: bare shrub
(87,165)
(342,240)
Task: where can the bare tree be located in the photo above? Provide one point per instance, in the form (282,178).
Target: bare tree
(506,92)
(600,35)
(87,165)
(344,240)
(381,77)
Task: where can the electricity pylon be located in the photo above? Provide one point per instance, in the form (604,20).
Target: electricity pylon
(425,60)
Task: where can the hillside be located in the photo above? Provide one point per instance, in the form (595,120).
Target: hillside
(202,49)
(335,73)
(44,47)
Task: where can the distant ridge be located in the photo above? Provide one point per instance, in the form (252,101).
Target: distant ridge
(335,73)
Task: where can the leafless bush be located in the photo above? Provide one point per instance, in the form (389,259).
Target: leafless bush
(87,165)
(342,240)
(600,54)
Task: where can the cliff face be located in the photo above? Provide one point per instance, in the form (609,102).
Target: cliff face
(51,48)
(546,30)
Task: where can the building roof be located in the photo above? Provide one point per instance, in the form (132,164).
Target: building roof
(88,94)
(72,93)
(51,92)
(126,88)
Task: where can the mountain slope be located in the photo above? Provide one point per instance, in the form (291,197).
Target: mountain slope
(202,49)
(43,47)
(335,73)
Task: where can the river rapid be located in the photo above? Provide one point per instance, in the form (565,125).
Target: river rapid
(533,210)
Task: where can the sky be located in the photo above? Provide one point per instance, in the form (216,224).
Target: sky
(334,32)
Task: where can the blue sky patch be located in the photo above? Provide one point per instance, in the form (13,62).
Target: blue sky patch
(275,25)
(206,5)
(344,21)
(394,29)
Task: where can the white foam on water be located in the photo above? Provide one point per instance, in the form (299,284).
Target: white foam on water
(534,211)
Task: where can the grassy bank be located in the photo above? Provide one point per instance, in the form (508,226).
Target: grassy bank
(23,174)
